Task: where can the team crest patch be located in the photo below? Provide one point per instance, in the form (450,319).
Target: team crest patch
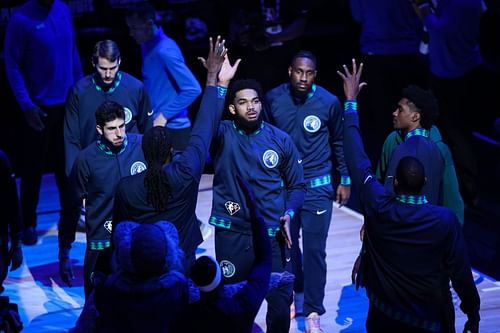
(108,226)
(312,124)
(137,167)
(270,158)
(128,115)
(232,207)
(227,268)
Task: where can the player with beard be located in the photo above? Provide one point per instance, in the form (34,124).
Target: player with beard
(94,177)
(108,83)
(266,156)
(313,118)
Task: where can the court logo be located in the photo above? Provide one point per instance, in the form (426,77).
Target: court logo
(128,115)
(108,226)
(312,124)
(232,207)
(228,269)
(137,167)
(270,158)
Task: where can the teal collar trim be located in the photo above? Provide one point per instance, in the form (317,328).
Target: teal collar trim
(257,131)
(115,84)
(412,199)
(417,131)
(103,147)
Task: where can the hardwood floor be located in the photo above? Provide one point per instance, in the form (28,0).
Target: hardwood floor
(46,305)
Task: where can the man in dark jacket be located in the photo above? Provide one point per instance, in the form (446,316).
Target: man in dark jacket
(405,295)
(94,177)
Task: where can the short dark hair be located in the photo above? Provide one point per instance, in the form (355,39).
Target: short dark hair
(425,102)
(143,10)
(304,54)
(106,49)
(241,84)
(410,174)
(108,111)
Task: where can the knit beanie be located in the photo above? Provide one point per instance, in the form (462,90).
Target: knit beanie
(147,250)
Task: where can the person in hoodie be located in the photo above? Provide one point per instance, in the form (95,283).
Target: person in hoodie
(108,83)
(147,290)
(94,177)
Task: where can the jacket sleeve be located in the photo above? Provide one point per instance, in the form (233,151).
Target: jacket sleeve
(391,142)
(192,160)
(335,127)
(120,208)
(451,193)
(71,131)
(14,50)
(188,87)
(293,174)
(458,266)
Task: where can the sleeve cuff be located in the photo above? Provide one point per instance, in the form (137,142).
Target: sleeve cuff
(221,91)
(345,180)
(290,213)
(351,106)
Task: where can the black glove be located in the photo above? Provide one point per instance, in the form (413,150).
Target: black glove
(65,269)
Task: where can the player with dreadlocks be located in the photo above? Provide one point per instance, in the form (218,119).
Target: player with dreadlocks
(157,148)
(169,190)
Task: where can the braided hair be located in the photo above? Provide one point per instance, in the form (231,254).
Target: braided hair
(156,145)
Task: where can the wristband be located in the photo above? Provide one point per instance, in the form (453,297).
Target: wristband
(351,106)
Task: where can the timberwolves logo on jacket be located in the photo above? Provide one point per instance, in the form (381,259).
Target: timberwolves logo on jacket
(312,124)
(128,115)
(270,158)
(137,167)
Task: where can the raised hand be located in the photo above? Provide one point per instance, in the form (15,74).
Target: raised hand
(352,87)
(227,71)
(216,55)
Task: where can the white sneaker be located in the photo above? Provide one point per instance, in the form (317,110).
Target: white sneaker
(312,323)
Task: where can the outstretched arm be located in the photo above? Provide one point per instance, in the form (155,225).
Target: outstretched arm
(219,73)
(358,163)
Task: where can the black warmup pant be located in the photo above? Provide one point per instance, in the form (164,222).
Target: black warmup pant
(38,146)
(234,252)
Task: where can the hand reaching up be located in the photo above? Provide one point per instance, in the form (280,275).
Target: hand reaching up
(352,87)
